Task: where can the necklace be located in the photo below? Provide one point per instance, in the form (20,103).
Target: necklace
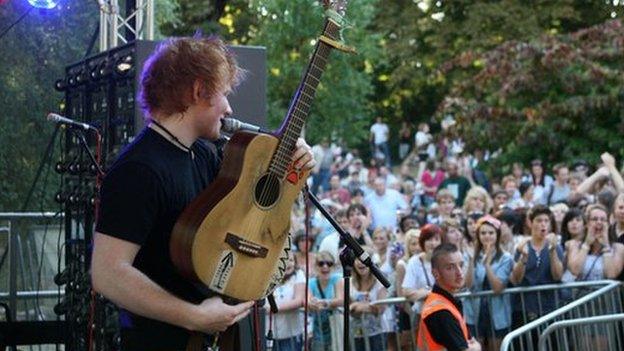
(174,139)
(538,255)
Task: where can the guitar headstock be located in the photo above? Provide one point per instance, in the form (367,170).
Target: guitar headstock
(339,6)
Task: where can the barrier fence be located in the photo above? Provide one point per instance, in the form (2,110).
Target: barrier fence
(593,333)
(552,303)
(29,258)
(607,300)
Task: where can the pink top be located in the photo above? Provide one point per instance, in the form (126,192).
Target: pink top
(432,181)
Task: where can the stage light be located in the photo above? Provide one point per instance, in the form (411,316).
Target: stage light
(43,4)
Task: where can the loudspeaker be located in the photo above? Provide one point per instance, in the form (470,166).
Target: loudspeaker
(102,90)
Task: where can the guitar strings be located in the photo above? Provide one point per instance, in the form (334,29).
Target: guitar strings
(276,177)
(272,183)
(320,54)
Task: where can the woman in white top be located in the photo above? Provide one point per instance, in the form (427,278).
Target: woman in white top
(600,256)
(388,257)
(366,319)
(287,323)
(412,248)
(418,280)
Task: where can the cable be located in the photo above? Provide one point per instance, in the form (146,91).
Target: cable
(4,32)
(46,155)
(94,37)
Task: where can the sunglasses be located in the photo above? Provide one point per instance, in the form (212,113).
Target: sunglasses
(325,263)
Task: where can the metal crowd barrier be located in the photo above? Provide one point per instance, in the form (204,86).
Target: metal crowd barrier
(24,281)
(607,300)
(593,333)
(593,298)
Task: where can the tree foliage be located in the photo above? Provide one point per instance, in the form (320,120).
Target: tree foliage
(421,36)
(33,55)
(289,29)
(560,97)
(515,73)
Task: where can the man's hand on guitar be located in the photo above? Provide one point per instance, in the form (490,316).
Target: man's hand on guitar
(213,315)
(303,158)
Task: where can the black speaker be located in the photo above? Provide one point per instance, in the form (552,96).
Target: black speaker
(102,90)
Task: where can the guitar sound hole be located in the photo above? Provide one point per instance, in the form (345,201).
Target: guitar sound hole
(267,190)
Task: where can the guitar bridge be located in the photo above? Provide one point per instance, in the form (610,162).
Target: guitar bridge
(245,246)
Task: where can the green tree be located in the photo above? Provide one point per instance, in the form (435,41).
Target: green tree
(288,29)
(33,55)
(558,97)
(423,36)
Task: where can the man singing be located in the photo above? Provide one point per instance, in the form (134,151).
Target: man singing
(183,90)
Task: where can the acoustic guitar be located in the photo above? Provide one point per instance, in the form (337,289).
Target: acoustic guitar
(234,237)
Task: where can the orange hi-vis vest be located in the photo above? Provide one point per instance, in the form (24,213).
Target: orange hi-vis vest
(434,303)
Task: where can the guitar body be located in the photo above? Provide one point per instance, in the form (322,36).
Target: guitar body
(239,225)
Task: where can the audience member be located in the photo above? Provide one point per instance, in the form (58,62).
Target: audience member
(386,205)
(489,268)
(287,324)
(538,261)
(418,280)
(559,190)
(458,185)
(600,256)
(366,318)
(326,293)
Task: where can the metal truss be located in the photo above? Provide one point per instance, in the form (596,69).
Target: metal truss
(120,27)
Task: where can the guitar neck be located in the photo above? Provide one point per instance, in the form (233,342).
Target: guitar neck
(291,128)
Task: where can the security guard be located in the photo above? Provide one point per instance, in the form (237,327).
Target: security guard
(442,325)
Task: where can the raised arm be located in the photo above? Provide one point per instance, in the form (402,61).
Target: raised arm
(615,175)
(589,182)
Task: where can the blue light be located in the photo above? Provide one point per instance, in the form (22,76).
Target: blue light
(43,4)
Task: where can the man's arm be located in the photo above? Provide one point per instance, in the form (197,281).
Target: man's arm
(555,255)
(521,258)
(114,277)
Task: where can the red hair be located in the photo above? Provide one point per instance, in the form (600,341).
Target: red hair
(171,71)
(427,232)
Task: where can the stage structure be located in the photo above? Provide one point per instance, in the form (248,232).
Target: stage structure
(101,91)
(119,28)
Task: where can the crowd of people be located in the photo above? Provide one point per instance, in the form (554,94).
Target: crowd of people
(435,224)
(528,228)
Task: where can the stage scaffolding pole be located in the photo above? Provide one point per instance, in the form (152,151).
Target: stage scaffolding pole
(117,28)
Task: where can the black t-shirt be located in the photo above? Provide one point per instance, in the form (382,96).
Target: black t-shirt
(142,196)
(443,326)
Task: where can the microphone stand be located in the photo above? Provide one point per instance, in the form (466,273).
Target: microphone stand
(85,146)
(349,253)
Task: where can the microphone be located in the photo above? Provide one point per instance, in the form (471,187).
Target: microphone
(231,125)
(69,122)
